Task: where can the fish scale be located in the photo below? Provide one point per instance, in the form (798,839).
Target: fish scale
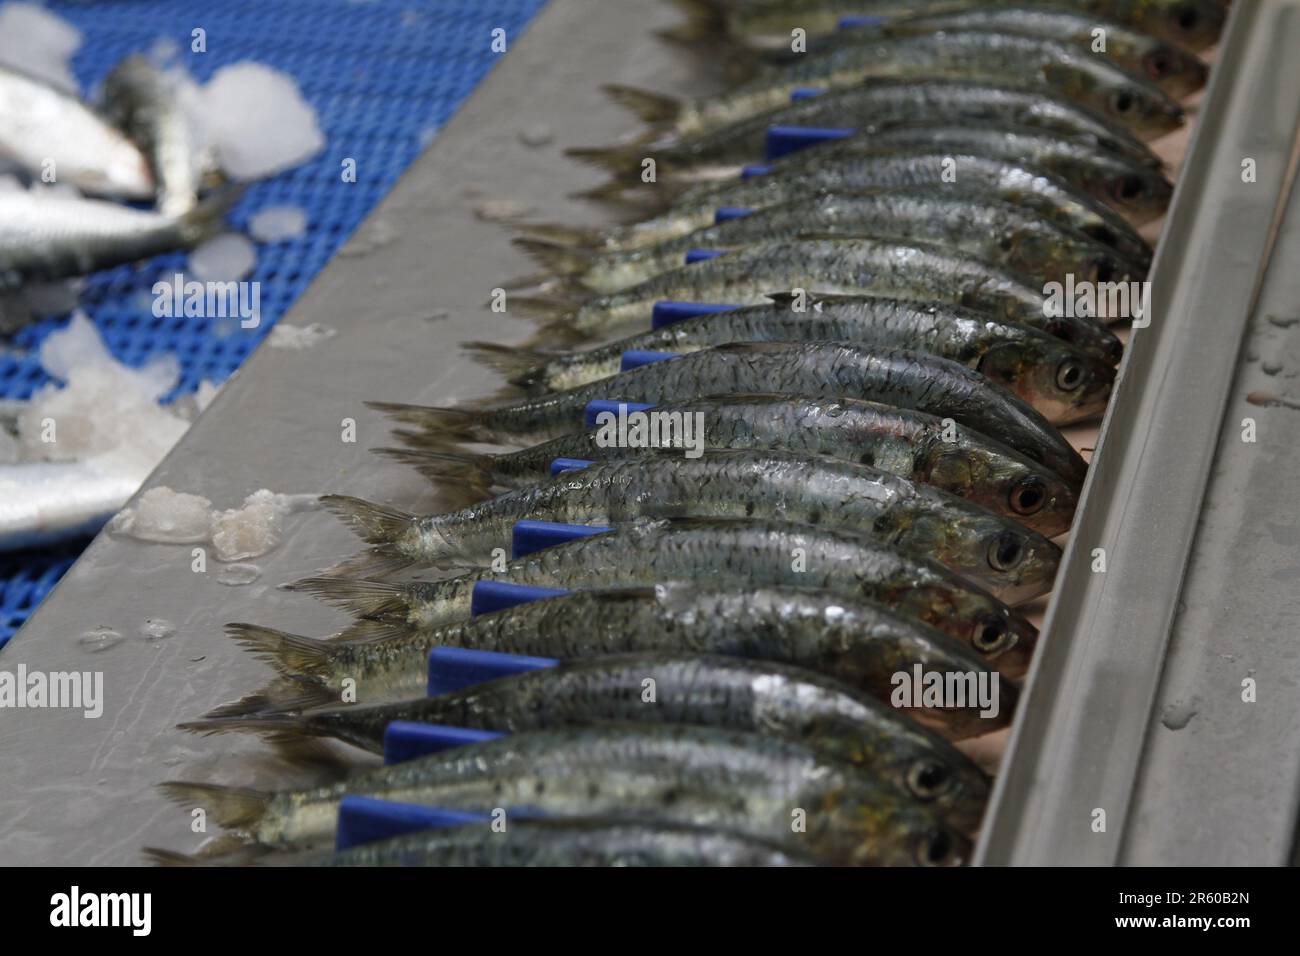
(822,369)
(711,553)
(751,785)
(759,696)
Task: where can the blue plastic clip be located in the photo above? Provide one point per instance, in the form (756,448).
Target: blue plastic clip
(635,358)
(451,668)
(406,739)
(723,213)
(365,820)
(860,20)
(783,140)
(530,536)
(489,596)
(596,406)
(560,465)
(666,313)
(754,170)
(699,255)
(806,93)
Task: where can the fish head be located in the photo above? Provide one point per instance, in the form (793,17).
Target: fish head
(1123,98)
(123,172)
(879,830)
(1001,480)
(956,788)
(1012,561)
(1175,70)
(1063,383)
(1195,24)
(1139,192)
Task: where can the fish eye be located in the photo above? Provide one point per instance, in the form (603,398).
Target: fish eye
(1028,496)
(1123,101)
(936,848)
(990,636)
(1186,17)
(1103,270)
(1128,188)
(1159,63)
(928,779)
(1006,551)
(1069,375)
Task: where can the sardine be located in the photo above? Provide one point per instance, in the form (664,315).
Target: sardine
(1139,192)
(897,440)
(711,553)
(1034,189)
(752,275)
(857,643)
(874,105)
(51,133)
(1062,383)
(926,383)
(44,237)
(757,786)
(143,101)
(975,224)
(1164,62)
(983,55)
(1013,562)
(767,23)
(672,687)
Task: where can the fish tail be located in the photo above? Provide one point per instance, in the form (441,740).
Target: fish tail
(557,258)
(367,631)
(522,367)
(365,598)
(160,857)
(272,724)
(653,108)
(621,159)
(235,808)
(373,523)
(208,218)
(560,234)
(703,20)
(289,694)
(378,525)
(439,422)
(549,308)
(470,473)
(290,654)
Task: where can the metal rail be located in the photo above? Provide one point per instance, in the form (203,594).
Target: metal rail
(1078,740)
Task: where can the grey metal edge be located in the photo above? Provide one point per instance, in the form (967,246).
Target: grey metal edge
(1078,737)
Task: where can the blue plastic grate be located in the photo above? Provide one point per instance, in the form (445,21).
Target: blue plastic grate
(382,76)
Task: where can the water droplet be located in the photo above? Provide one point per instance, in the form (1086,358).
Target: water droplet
(99,638)
(235,575)
(1179,714)
(156,629)
(535,136)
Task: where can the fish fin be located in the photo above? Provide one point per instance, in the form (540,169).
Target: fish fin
(208,218)
(560,234)
(286,695)
(366,598)
(290,654)
(440,421)
(468,472)
(235,808)
(268,724)
(559,259)
(373,523)
(160,857)
(374,562)
(364,632)
(620,159)
(653,108)
(520,365)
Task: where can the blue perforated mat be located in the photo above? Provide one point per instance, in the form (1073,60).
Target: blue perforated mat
(383,75)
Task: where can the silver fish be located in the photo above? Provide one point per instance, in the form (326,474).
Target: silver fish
(51,133)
